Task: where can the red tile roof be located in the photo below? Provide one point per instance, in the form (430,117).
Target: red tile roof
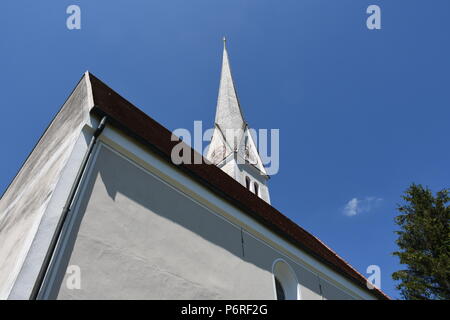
(143,128)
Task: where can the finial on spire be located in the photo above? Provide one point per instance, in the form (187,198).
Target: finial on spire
(224,42)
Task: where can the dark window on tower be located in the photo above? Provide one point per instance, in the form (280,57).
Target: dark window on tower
(256,189)
(279,289)
(247,182)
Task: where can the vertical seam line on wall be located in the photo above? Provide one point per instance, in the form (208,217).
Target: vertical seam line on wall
(320,288)
(242,242)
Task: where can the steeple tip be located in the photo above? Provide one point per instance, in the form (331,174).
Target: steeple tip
(224,42)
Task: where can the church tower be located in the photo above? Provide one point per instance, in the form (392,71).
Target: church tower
(233,148)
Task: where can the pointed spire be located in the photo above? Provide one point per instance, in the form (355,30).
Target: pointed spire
(228,112)
(232,147)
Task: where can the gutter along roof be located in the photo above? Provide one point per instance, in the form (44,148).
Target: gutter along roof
(143,128)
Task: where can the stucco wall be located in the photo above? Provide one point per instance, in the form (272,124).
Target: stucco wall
(25,200)
(136,237)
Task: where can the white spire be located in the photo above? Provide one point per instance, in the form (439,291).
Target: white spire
(228,112)
(232,147)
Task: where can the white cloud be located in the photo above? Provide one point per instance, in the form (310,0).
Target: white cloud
(356,206)
(351,208)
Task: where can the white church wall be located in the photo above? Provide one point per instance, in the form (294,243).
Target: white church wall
(139,238)
(27,198)
(249,272)
(25,280)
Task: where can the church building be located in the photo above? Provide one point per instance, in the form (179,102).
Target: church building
(100,211)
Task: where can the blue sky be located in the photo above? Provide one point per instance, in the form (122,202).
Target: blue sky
(362,114)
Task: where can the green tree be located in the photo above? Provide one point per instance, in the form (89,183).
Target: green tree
(424,244)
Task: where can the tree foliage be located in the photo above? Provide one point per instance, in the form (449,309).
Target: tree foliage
(424,244)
